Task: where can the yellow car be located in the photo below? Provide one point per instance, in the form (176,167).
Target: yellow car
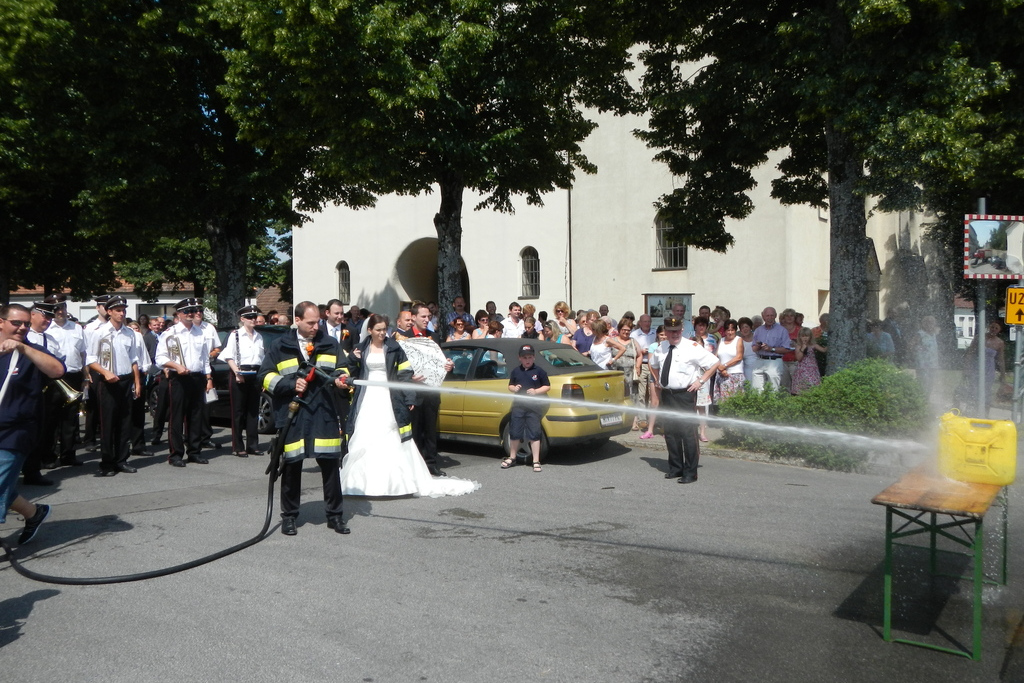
(485,365)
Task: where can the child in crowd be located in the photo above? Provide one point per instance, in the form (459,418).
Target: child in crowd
(805,374)
(526,380)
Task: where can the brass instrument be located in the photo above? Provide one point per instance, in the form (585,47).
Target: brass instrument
(70,394)
(105,354)
(174,351)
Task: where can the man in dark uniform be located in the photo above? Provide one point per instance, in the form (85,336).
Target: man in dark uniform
(313,430)
(428,403)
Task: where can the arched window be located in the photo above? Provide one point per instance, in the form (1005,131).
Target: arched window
(344,283)
(531,273)
(670,255)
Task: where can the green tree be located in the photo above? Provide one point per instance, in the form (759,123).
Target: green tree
(407,97)
(870,98)
(112,118)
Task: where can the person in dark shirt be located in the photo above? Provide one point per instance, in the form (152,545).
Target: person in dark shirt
(24,367)
(526,380)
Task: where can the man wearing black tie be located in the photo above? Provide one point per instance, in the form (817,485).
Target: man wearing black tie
(679,367)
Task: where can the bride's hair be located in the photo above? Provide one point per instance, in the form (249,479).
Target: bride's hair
(375,319)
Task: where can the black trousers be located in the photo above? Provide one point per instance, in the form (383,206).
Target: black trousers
(187,398)
(115,400)
(92,421)
(44,452)
(245,406)
(163,404)
(424,428)
(68,422)
(291,486)
(138,439)
(680,435)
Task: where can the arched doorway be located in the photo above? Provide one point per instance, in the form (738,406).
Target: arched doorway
(416,271)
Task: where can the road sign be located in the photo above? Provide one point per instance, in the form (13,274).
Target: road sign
(1014,306)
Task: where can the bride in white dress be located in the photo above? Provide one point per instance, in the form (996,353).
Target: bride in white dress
(379,462)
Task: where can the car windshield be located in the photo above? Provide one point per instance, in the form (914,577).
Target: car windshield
(567,357)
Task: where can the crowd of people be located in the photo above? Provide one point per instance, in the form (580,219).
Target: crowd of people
(369,438)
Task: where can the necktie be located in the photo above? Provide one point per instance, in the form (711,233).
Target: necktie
(668,366)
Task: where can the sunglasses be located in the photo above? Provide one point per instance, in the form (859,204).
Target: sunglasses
(19,323)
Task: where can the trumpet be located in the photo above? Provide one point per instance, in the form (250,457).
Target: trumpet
(70,394)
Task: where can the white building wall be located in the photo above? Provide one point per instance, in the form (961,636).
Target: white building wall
(780,255)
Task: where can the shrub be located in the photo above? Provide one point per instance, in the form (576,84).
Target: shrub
(870,398)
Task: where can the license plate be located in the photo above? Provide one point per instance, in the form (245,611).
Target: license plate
(611,420)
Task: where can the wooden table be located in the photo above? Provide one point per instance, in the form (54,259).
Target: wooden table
(927,495)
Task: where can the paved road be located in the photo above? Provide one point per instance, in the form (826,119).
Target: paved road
(596,569)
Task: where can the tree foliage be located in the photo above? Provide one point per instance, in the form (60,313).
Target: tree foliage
(407,97)
(883,98)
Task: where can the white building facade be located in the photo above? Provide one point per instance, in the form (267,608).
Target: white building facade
(600,243)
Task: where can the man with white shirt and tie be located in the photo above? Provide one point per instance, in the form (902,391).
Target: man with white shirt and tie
(40,334)
(334,325)
(114,356)
(184,352)
(679,367)
(243,352)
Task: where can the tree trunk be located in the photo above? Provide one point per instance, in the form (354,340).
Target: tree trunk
(848,253)
(448,224)
(229,245)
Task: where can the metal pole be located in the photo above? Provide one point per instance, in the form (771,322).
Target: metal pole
(979,334)
(1018,351)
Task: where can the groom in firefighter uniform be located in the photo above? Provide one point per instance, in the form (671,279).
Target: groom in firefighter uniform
(315,433)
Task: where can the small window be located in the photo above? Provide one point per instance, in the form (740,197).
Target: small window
(344,283)
(671,255)
(531,273)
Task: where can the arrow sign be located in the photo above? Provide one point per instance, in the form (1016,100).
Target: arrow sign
(1014,306)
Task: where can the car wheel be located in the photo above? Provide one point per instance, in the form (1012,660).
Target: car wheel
(523,454)
(265,418)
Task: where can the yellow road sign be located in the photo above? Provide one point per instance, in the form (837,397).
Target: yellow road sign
(1014,306)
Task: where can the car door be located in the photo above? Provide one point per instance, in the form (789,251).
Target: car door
(482,415)
(449,419)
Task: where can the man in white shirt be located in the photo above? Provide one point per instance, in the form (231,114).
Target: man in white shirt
(113,355)
(243,352)
(91,404)
(184,352)
(74,358)
(679,313)
(42,456)
(680,367)
(334,325)
(213,344)
(645,336)
(513,325)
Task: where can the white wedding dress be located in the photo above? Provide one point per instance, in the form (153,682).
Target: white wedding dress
(378,462)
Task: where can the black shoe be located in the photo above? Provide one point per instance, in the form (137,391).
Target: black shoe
(240,454)
(155,442)
(71,462)
(198,459)
(138,451)
(209,444)
(126,468)
(288,526)
(36,480)
(176,462)
(338,525)
(250,451)
(437,472)
(669,475)
(51,465)
(688,479)
(106,473)
(32,525)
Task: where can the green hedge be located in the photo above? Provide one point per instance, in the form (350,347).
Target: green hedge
(871,398)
